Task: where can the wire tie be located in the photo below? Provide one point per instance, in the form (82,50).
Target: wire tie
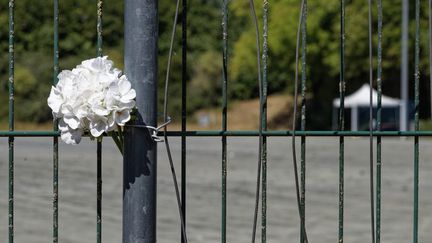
(155,130)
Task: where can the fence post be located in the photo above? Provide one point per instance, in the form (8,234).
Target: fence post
(139,169)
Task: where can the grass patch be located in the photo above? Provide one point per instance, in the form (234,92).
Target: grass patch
(19,125)
(425,125)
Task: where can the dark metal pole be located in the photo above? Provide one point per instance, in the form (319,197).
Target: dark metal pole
(139,175)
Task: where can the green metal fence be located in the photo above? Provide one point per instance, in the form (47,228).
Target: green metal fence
(223,133)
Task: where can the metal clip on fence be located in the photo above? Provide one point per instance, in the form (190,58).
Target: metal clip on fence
(154,130)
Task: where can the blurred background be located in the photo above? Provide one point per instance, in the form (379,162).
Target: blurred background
(78,42)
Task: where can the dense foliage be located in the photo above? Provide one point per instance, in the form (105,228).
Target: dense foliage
(78,37)
(33,48)
(323,52)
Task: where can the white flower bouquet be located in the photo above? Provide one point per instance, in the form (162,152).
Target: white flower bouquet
(93,97)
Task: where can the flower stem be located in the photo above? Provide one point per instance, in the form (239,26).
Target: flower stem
(121,136)
(117,141)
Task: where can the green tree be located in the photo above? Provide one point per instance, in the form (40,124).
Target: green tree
(323,52)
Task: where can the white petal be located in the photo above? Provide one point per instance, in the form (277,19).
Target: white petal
(126,105)
(98,127)
(116,72)
(63,127)
(111,123)
(81,112)
(90,64)
(98,64)
(72,136)
(72,121)
(130,95)
(64,77)
(114,88)
(121,117)
(87,93)
(64,74)
(55,100)
(110,101)
(124,86)
(66,109)
(100,110)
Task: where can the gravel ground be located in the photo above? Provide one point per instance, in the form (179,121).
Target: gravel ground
(77,202)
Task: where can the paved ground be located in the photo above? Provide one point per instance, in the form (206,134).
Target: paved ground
(33,186)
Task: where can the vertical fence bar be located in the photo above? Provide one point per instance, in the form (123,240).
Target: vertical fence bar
(99,193)
(303,125)
(11,119)
(139,171)
(55,188)
(184,114)
(379,110)
(403,119)
(341,120)
(224,116)
(430,54)
(416,120)
(371,158)
(55,125)
(264,124)
(99,28)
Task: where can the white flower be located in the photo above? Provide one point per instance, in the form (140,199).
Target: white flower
(72,136)
(93,97)
(72,121)
(120,95)
(68,135)
(98,125)
(121,116)
(55,101)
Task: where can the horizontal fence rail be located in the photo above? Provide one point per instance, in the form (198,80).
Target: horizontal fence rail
(245,133)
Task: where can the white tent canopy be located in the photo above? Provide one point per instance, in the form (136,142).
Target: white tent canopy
(361,98)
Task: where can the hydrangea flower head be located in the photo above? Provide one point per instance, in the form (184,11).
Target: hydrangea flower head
(93,97)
